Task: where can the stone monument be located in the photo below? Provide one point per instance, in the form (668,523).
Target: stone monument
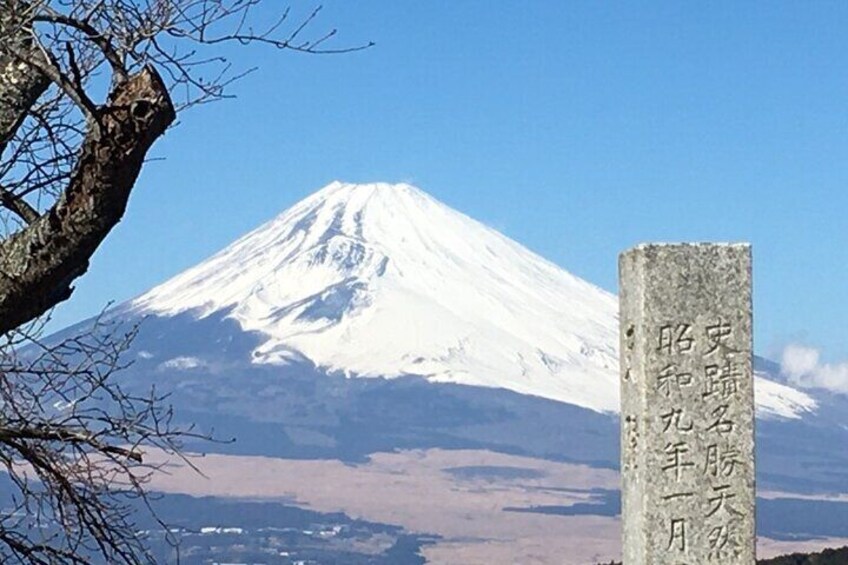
(687,405)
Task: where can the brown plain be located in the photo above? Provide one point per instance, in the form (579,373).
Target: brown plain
(417,490)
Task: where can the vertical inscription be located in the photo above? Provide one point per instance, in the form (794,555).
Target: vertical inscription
(690,497)
(689,352)
(677,535)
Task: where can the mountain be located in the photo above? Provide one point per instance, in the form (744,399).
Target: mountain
(371,340)
(381,280)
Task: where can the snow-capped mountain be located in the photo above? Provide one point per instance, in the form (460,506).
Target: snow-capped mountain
(372,318)
(383,280)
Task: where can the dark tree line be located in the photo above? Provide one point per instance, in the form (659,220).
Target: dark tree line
(826,557)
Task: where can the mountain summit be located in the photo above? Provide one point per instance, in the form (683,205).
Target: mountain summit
(382,280)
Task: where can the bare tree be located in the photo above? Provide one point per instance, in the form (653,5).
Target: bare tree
(72,443)
(86,88)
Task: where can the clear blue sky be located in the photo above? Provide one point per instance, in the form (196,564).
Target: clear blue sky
(576,128)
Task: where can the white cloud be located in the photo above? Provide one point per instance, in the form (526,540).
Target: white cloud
(801,364)
(798,360)
(183,363)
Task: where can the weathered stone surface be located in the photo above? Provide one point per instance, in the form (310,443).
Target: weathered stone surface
(687,415)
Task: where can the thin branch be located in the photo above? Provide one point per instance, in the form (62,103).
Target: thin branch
(91,33)
(19,206)
(51,69)
(74,437)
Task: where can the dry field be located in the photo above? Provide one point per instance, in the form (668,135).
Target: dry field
(423,492)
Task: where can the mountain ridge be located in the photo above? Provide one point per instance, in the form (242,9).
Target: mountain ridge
(382,280)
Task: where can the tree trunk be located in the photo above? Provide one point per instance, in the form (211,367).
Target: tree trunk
(39,263)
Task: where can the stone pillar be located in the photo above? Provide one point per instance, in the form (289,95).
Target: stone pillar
(687,405)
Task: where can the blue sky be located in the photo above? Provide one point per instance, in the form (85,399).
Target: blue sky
(578,129)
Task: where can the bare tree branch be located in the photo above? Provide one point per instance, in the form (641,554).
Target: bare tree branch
(18,205)
(86,89)
(102,42)
(71,442)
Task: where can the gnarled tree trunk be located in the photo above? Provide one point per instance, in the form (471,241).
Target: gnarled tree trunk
(39,263)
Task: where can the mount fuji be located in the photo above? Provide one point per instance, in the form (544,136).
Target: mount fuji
(382,280)
(372,321)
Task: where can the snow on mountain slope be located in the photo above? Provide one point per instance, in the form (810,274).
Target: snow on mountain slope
(383,280)
(779,400)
